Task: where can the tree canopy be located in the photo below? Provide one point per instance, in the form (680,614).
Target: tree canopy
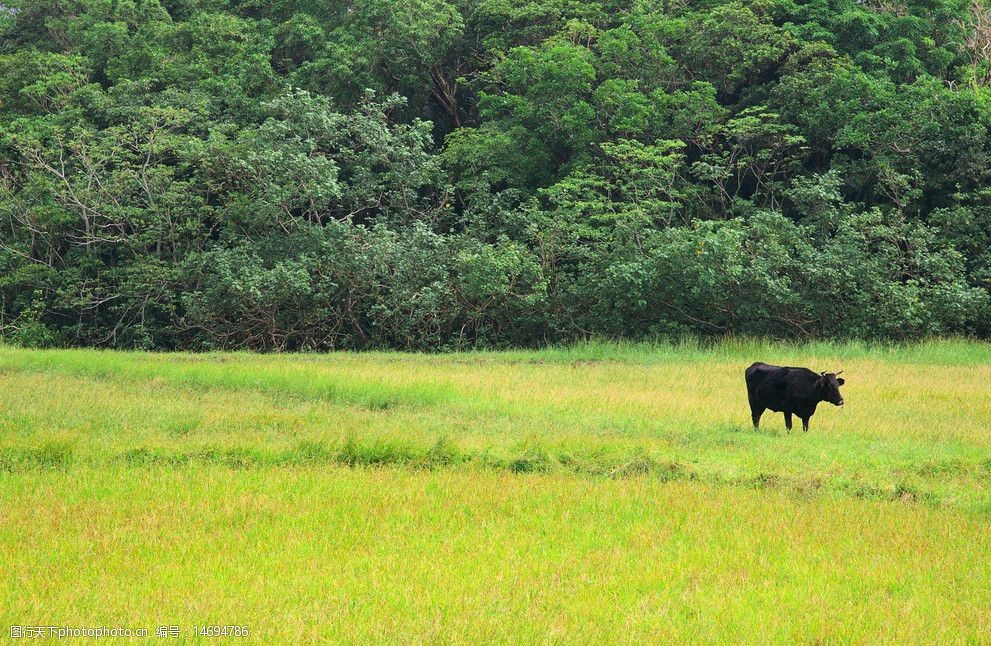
(455,173)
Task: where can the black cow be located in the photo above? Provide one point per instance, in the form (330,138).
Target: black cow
(790,391)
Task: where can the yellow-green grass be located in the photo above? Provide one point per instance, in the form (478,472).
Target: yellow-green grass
(917,424)
(596,493)
(474,555)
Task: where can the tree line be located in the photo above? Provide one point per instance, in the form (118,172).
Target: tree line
(428,174)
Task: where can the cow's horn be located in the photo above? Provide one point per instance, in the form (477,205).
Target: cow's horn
(839,373)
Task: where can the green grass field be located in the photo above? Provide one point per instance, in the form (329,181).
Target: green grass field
(599,492)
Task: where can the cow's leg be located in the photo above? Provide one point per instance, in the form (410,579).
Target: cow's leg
(805,424)
(788,421)
(755,412)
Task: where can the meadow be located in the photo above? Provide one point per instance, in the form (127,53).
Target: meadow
(604,491)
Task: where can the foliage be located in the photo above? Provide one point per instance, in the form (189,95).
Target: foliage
(451,173)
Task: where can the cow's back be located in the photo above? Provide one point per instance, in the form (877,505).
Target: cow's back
(766,386)
(758,372)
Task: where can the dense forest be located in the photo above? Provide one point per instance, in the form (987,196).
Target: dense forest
(462,173)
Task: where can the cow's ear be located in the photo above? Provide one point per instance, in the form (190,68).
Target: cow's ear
(841,381)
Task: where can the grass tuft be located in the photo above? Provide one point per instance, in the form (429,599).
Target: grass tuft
(51,455)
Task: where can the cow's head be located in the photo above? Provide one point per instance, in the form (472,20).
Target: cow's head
(829,388)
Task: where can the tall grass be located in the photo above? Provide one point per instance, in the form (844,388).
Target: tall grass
(599,492)
(394,555)
(916,424)
(231,371)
